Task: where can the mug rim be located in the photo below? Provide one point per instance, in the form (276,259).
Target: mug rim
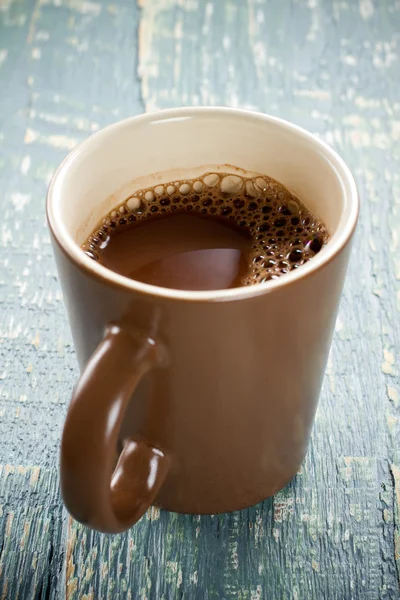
(70,247)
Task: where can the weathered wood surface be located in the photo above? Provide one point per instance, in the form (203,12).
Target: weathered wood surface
(69,67)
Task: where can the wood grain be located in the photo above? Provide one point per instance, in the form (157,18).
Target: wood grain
(69,67)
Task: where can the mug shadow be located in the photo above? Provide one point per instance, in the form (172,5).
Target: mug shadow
(171,555)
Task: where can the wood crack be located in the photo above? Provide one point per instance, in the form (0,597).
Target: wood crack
(138,74)
(395,476)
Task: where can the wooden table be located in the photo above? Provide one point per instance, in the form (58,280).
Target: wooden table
(69,67)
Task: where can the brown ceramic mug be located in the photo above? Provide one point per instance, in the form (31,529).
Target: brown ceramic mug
(197,402)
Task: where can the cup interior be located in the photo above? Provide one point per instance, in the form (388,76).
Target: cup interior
(158,148)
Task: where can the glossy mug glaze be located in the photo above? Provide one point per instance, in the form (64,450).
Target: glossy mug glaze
(197,402)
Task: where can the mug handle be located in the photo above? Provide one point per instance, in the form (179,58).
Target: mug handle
(100,491)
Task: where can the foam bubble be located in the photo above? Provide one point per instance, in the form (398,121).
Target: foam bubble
(284,233)
(133,203)
(231,184)
(294,207)
(184,188)
(260,184)
(149,196)
(295,255)
(315,245)
(92,255)
(198,186)
(251,190)
(211,179)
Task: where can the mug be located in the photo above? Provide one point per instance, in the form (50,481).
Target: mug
(194,401)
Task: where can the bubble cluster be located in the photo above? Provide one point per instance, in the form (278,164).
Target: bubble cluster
(284,233)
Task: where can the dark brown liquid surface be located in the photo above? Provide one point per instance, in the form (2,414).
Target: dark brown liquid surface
(193,236)
(182,251)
